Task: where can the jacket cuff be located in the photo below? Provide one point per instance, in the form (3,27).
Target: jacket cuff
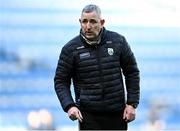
(134,105)
(69,106)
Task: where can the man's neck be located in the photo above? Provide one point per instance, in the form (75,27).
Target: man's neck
(94,41)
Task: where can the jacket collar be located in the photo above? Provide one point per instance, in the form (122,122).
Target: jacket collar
(95,42)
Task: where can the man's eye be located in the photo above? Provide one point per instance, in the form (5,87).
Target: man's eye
(93,21)
(90,21)
(84,21)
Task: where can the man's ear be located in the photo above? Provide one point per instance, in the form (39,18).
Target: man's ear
(79,20)
(102,22)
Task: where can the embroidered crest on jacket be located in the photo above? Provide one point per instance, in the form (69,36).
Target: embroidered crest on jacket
(110,51)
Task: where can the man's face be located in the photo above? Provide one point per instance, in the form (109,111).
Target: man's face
(91,24)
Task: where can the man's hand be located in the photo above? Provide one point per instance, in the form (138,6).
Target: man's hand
(74,114)
(129,113)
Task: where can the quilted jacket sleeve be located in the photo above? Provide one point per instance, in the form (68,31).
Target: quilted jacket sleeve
(62,79)
(131,73)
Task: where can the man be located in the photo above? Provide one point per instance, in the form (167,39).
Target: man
(95,60)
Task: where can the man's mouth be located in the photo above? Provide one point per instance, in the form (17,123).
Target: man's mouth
(89,32)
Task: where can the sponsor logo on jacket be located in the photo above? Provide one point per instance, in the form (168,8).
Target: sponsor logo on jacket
(84,55)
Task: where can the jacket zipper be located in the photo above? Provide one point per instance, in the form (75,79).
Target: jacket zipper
(98,53)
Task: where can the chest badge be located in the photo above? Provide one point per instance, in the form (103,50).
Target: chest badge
(110,51)
(84,55)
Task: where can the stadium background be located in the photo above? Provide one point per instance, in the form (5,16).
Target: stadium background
(32,33)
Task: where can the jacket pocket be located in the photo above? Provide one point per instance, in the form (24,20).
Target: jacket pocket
(90,95)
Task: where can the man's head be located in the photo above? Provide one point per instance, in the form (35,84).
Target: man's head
(91,21)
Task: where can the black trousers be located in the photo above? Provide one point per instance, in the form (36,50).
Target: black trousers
(102,121)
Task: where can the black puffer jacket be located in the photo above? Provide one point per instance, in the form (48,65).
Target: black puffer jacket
(97,74)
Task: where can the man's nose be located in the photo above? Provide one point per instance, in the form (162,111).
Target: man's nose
(88,25)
